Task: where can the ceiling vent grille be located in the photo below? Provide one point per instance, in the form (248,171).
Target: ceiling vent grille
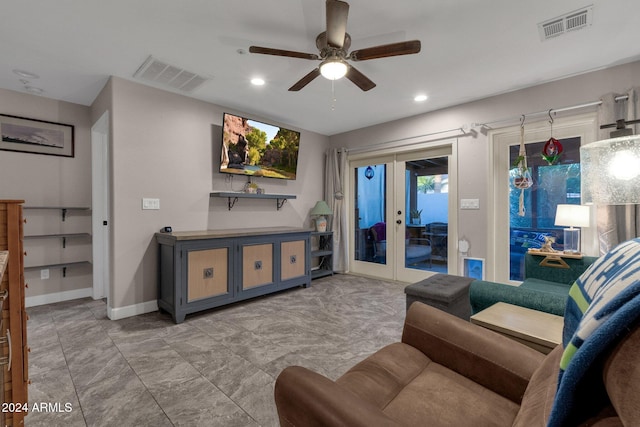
(572,21)
(163,74)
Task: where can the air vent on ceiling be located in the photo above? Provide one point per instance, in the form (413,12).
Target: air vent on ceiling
(572,21)
(164,74)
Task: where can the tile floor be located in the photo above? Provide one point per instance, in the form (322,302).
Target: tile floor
(216,369)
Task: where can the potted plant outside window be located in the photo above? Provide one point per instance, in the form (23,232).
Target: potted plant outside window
(414,216)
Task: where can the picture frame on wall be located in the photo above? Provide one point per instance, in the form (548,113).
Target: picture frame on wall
(36,136)
(473,267)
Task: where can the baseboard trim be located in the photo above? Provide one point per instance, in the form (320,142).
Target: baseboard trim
(132,310)
(57,297)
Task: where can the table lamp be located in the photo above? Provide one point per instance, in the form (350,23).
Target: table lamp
(572,216)
(319,211)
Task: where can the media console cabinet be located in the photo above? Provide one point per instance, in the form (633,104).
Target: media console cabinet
(200,270)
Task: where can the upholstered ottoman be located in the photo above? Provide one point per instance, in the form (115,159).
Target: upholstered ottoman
(443,291)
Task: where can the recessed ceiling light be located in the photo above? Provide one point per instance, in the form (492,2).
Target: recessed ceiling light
(26,74)
(257,81)
(420,98)
(34,90)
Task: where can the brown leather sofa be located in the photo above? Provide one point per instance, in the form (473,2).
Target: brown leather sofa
(448,372)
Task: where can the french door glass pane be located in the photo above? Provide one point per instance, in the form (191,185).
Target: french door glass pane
(427,213)
(552,185)
(370,213)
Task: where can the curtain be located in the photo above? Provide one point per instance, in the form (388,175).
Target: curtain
(617,223)
(336,168)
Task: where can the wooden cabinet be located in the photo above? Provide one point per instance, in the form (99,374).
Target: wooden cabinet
(205,269)
(13,326)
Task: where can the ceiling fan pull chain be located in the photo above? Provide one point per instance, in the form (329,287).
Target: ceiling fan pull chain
(333,95)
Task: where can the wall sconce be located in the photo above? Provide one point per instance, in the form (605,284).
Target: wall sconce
(610,171)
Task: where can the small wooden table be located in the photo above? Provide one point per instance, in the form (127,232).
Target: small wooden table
(536,329)
(554,259)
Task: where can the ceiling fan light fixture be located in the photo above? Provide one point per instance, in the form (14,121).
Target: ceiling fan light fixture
(333,69)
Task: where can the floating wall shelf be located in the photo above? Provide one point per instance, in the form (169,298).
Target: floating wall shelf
(62,266)
(60,208)
(232,197)
(63,236)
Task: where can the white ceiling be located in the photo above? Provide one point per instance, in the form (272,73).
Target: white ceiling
(471,49)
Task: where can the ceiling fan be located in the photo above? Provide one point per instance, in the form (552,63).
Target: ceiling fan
(334,44)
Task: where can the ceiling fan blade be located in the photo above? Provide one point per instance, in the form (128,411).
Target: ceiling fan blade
(337,13)
(305,80)
(359,79)
(384,51)
(280,52)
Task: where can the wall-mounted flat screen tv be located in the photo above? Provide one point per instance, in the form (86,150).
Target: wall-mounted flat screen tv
(253,148)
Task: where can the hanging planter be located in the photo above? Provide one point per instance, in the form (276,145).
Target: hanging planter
(552,150)
(522,178)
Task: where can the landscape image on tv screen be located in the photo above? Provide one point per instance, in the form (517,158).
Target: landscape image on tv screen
(257,149)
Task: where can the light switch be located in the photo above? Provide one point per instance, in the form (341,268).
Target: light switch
(152,204)
(44,274)
(469,203)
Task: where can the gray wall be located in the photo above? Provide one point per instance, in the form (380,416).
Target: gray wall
(167,146)
(162,145)
(51,181)
(473,159)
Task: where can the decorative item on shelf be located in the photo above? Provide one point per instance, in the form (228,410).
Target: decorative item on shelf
(522,178)
(610,171)
(251,187)
(414,216)
(547,246)
(320,210)
(553,149)
(572,216)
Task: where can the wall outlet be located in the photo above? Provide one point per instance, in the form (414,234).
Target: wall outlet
(44,274)
(150,204)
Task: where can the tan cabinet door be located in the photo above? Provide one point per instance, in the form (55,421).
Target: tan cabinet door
(292,259)
(257,265)
(208,273)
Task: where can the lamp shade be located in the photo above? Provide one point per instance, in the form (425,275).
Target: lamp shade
(572,216)
(321,208)
(610,171)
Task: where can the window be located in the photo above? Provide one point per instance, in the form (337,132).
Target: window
(552,185)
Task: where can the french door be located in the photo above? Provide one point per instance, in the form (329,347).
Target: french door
(402,206)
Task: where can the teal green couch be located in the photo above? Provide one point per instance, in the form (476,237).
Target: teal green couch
(544,288)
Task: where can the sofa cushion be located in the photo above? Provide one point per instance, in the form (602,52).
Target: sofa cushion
(408,386)
(538,399)
(546,286)
(566,276)
(622,378)
(483,294)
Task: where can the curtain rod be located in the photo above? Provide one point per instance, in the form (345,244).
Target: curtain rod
(553,110)
(473,125)
(377,145)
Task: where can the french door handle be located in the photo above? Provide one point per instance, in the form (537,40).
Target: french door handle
(399,221)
